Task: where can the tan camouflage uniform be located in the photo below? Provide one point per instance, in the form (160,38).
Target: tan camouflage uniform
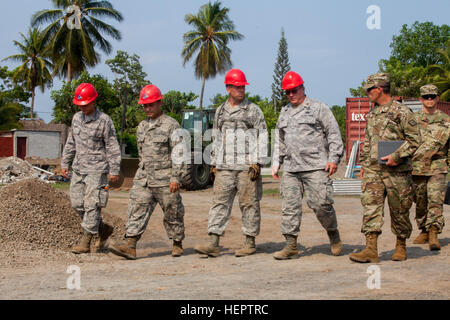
(231,124)
(392,121)
(156,171)
(430,166)
(309,138)
(93,147)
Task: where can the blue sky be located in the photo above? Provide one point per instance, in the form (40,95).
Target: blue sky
(329,43)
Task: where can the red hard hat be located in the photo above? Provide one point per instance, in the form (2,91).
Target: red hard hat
(150,94)
(236,77)
(291,80)
(84,94)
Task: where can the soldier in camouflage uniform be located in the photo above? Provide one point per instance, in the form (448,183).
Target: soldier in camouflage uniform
(309,146)
(388,121)
(157,179)
(430,166)
(93,148)
(237,166)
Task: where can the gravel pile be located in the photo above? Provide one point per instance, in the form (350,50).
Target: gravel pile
(36,216)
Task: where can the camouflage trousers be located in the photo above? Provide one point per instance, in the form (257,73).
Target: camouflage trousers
(397,187)
(143,201)
(85,196)
(318,188)
(429,194)
(227,184)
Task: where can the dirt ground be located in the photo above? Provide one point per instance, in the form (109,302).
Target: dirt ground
(315,275)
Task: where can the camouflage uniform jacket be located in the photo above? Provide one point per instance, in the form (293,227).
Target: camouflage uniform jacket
(432,155)
(155,144)
(92,145)
(244,119)
(390,122)
(308,137)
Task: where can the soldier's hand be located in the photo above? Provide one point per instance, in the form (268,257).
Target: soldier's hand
(390,161)
(113,179)
(213,173)
(275,169)
(254,171)
(174,187)
(361,174)
(65,173)
(331,168)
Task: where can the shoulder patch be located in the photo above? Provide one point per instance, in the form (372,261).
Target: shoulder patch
(412,122)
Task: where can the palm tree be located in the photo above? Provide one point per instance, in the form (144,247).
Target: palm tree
(213,29)
(75,31)
(35,68)
(439,74)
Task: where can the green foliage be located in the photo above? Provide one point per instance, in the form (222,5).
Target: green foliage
(416,52)
(339,114)
(439,74)
(175,101)
(209,38)
(131,143)
(73,50)
(281,67)
(12,100)
(417,44)
(64,109)
(35,65)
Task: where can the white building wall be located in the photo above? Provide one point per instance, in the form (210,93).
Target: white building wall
(42,144)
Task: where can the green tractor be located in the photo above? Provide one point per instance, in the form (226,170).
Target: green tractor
(197,176)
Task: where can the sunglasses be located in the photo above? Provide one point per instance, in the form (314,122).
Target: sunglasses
(429,96)
(292,91)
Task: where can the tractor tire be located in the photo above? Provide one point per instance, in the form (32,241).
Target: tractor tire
(197,177)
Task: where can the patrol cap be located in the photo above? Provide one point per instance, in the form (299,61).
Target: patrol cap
(428,89)
(377,80)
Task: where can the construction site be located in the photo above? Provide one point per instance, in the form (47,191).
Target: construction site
(38,227)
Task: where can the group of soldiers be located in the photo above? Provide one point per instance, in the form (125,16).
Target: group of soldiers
(308,145)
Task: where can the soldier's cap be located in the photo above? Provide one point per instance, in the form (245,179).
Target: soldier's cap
(376,80)
(428,89)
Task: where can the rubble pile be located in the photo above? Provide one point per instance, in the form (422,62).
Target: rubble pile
(14,169)
(34,215)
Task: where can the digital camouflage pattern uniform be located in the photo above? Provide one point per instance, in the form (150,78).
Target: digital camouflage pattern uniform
(155,173)
(232,159)
(392,121)
(93,147)
(308,138)
(430,166)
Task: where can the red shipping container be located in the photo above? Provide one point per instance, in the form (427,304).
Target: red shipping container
(356,112)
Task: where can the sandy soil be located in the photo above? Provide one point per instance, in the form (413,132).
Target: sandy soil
(315,275)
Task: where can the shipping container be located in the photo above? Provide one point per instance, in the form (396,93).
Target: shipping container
(357,110)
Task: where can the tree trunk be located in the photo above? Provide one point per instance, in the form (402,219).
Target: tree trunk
(33,94)
(69,73)
(201,94)
(124,113)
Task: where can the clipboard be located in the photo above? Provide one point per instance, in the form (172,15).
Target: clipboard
(386,148)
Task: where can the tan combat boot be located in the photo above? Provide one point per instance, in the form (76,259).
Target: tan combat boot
(84,245)
(422,238)
(104,232)
(335,242)
(433,241)
(127,250)
(212,248)
(370,253)
(248,248)
(290,251)
(177,249)
(400,250)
